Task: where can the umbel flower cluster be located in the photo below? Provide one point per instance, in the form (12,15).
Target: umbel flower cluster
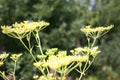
(59,62)
(20,30)
(14,57)
(96,32)
(2,58)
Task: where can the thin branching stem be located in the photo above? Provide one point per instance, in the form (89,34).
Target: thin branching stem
(29,50)
(39,42)
(14,70)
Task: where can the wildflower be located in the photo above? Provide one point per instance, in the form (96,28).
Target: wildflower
(7,29)
(21,29)
(35,77)
(80,51)
(52,57)
(62,53)
(39,64)
(96,32)
(51,51)
(1,63)
(41,57)
(95,51)
(56,62)
(15,57)
(76,51)
(42,78)
(48,77)
(85,51)
(3,56)
(81,58)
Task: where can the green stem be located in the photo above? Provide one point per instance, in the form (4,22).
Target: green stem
(39,46)
(83,71)
(72,68)
(37,37)
(39,42)
(86,67)
(93,42)
(43,73)
(14,70)
(95,38)
(81,76)
(54,74)
(89,65)
(71,65)
(3,76)
(28,39)
(62,72)
(30,51)
(88,40)
(42,70)
(63,76)
(47,70)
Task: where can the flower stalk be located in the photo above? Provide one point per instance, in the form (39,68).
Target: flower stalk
(53,59)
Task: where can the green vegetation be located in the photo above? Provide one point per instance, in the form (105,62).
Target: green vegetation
(66,17)
(59,61)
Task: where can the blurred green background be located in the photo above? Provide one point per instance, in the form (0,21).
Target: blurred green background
(66,17)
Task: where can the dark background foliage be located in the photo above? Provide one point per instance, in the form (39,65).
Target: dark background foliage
(66,17)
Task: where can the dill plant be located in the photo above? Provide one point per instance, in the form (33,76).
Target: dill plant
(59,61)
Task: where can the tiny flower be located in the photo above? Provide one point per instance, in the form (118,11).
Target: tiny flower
(51,51)
(86,50)
(37,64)
(41,57)
(77,51)
(35,77)
(81,58)
(58,62)
(52,57)
(6,29)
(15,57)
(62,53)
(42,78)
(22,29)
(40,64)
(1,63)
(4,56)
(95,51)
(96,32)
(55,62)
